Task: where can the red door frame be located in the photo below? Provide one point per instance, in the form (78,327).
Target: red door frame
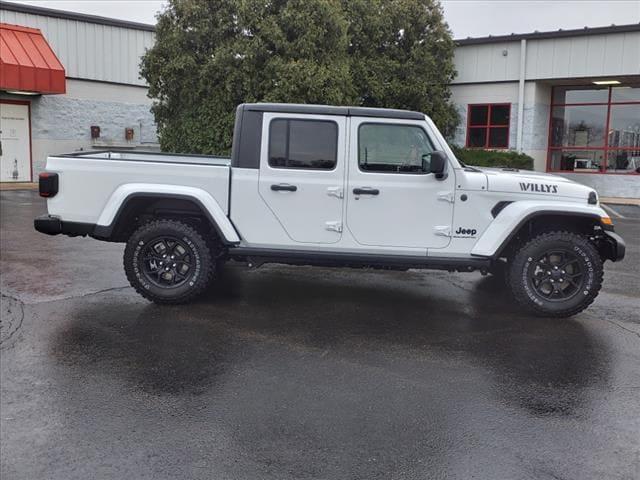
(604,149)
(28,104)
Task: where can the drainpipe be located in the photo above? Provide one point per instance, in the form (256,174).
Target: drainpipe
(523,63)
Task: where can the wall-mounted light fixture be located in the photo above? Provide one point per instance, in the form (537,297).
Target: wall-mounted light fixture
(95,131)
(606,82)
(19,92)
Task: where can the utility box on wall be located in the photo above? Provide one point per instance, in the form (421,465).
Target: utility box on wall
(95,131)
(128,134)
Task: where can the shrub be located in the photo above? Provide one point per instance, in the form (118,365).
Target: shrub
(493,158)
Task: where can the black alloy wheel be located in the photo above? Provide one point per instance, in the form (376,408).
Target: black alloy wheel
(557,275)
(167,262)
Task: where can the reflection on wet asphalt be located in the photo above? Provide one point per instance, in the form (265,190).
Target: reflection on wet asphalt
(298,372)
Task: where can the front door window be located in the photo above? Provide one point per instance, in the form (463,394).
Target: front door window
(392,148)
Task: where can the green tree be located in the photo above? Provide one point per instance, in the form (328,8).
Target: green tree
(401,54)
(211,55)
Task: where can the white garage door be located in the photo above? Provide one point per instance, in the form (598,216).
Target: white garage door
(15,148)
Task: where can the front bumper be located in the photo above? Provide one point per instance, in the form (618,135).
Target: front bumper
(615,246)
(52,225)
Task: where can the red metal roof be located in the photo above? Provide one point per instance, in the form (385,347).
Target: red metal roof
(27,62)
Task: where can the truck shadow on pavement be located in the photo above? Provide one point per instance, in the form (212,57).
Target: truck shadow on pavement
(151,346)
(544,366)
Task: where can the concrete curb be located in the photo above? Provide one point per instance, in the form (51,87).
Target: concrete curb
(620,201)
(18,186)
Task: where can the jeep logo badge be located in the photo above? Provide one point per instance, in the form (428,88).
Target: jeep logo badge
(466,231)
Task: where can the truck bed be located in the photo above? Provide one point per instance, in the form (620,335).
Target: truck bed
(89,180)
(156,157)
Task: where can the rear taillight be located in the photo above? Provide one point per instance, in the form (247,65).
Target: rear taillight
(48,183)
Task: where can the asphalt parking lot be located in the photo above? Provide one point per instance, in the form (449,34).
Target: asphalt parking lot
(296,372)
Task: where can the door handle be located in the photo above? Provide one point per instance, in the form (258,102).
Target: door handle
(284,187)
(366,191)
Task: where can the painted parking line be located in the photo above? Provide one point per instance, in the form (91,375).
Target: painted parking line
(611,210)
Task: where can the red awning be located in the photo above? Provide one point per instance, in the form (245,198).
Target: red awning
(27,62)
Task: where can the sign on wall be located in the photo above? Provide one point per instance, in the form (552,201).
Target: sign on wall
(15,145)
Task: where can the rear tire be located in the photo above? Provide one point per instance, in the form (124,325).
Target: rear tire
(556,274)
(168,262)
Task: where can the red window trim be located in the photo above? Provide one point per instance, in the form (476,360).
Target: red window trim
(604,149)
(488,125)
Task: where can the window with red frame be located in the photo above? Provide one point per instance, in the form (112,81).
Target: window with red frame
(595,129)
(488,125)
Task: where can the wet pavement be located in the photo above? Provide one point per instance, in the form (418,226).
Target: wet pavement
(297,372)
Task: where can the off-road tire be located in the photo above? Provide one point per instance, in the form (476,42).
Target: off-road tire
(202,263)
(526,260)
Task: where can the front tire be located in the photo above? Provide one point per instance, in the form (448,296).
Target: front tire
(556,274)
(168,262)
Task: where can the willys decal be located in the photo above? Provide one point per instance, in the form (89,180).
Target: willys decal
(538,187)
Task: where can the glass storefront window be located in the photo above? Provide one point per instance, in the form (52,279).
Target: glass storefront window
(624,126)
(581,126)
(630,93)
(580,94)
(577,160)
(623,161)
(595,129)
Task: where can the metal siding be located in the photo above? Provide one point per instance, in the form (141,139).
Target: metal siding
(482,63)
(571,57)
(133,55)
(83,51)
(114,67)
(596,47)
(614,48)
(631,50)
(91,32)
(89,50)
(561,58)
(579,58)
(139,49)
(69,50)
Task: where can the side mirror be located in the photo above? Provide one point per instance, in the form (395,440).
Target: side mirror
(435,163)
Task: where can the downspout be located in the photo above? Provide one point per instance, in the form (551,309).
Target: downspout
(523,64)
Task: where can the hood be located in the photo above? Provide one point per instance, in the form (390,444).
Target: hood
(534,183)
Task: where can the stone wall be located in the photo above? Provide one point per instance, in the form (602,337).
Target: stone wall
(62,123)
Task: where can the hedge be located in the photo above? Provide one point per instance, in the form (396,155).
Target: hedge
(494,158)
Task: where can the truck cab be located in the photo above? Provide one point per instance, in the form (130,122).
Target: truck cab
(337,186)
(361,181)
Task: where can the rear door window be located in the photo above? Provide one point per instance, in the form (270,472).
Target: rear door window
(303,144)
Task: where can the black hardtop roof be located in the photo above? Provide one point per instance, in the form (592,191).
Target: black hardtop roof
(332,110)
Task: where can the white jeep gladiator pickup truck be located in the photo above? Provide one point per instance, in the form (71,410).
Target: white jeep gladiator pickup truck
(333,186)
